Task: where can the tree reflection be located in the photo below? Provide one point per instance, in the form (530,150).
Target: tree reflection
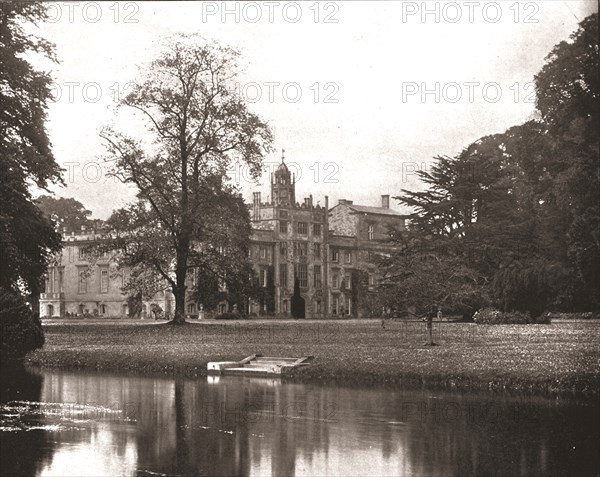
(253,427)
(22,452)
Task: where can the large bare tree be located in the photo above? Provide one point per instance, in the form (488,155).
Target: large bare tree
(198,125)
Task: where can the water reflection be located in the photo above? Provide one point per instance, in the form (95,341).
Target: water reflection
(59,423)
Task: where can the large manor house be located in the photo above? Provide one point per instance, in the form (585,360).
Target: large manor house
(323,248)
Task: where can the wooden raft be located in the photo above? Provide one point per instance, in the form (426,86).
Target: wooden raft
(257,365)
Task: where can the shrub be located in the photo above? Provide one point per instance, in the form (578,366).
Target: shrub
(543,319)
(489,316)
(229,316)
(588,315)
(20,329)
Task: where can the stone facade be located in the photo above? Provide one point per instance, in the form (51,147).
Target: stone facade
(324,249)
(73,287)
(358,234)
(76,287)
(290,241)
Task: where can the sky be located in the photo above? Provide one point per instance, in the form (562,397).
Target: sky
(359,94)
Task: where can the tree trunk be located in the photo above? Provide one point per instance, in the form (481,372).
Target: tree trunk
(180,288)
(179,317)
(180,276)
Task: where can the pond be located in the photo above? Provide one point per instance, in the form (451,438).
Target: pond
(55,423)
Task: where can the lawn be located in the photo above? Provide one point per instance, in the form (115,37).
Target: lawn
(561,358)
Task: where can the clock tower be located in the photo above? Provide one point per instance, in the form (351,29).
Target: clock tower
(283,185)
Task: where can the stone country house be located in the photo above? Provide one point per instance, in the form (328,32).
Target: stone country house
(327,249)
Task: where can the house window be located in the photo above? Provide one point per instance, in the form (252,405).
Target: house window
(347,282)
(317,230)
(263,278)
(317,251)
(103,281)
(348,306)
(335,305)
(283,275)
(82,281)
(317,276)
(70,251)
(283,228)
(283,214)
(302,228)
(301,249)
(192,308)
(103,309)
(283,249)
(263,252)
(56,286)
(335,280)
(303,275)
(370,232)
(49,281)
(285,306)
(81,253)
(348,256)
(335,256)
(371,280)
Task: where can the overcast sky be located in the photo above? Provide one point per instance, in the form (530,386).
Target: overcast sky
(359,94)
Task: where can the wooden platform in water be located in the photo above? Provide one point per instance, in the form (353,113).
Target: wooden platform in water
(258,365)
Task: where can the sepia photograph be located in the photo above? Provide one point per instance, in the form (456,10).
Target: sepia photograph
(299,238)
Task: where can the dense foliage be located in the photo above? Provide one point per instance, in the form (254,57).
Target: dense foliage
(489,316)
(20,329)
(27,238)
(513,220)
(65,212)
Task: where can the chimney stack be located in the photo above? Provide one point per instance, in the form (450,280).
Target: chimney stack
(385,201)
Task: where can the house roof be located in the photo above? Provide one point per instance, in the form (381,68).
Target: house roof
(365,209)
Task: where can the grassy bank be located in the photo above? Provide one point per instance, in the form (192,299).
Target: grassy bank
(550,359)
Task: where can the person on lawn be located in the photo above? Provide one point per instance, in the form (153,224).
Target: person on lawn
(429,316)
